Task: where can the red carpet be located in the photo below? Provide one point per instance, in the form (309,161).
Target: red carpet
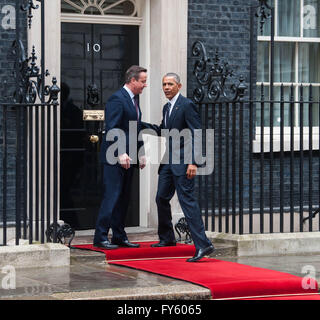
(144,252)
(226,280)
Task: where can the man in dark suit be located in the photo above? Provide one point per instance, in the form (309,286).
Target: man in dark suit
(176,174)
(122,109)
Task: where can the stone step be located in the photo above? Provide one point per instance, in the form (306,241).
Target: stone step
(170,292)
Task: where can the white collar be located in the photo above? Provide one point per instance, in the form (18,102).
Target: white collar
(174,99)
(129,91)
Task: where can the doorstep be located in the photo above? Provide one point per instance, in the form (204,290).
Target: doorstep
(31,255)
(269,244)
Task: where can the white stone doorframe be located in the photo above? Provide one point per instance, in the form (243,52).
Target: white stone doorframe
(162,49)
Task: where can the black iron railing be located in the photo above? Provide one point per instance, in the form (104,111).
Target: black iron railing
(260,185)
(33,151)
(266,174)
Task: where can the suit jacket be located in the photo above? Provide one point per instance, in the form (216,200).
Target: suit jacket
(119,111)
(184,115)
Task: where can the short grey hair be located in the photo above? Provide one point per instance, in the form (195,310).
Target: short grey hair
(134,72)
(173,75)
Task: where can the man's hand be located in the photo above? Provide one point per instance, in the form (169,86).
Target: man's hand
(124,160)
(191,171)
(142,162)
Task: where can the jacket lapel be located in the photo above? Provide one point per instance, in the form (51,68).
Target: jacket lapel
(128,99)
(130,102)
(174,111)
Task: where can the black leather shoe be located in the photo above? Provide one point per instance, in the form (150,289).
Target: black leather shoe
(201,253)
(126,243)
(105,245)
(163,244)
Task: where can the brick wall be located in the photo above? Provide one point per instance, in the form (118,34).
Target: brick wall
(222,25)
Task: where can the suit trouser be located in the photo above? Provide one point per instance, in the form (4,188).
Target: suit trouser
(168,183)
(117,186)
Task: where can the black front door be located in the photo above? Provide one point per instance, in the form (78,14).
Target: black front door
(94,59)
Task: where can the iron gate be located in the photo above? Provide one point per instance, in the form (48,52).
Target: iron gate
(30,195)
(266,179)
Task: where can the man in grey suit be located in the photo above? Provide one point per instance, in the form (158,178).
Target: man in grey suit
(179,113)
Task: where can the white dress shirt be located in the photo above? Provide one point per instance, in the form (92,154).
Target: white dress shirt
(173,101)
(130,93)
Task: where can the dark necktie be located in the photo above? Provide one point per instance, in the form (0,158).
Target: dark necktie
(136,104)
(167,114)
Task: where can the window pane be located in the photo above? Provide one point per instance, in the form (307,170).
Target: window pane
(266,113)
(126,7)
(311,18)
(263,62)
(289,18)
(276,106)
(314,107)
(284,62)
(309,56)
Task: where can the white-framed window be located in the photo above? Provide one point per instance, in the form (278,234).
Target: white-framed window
(100,7)
(124,12)
(296,60)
